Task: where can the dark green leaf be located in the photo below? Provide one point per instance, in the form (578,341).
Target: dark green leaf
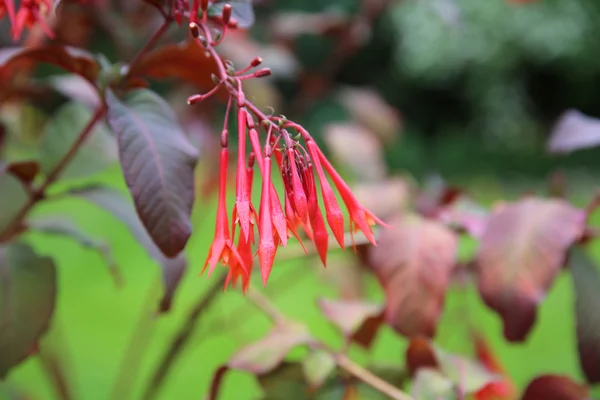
(97,153)
(158,162)
(586,281)
(263,356)
(13,197)
(63,226)
(118,205)
(27,297)
(242,11)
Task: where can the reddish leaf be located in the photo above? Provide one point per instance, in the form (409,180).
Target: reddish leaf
(555,387)
(574,131)
(26,171)
(263,356)
(118,205)
(158,162)
(420,354)
(586,281)
(182,61)
(359,321)
(414,262)
(522,249)
(467,376)
(70,59)
(28,293)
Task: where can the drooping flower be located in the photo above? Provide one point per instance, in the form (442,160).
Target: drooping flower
(30,13)
(222,249)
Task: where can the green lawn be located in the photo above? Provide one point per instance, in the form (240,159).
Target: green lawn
(95,321)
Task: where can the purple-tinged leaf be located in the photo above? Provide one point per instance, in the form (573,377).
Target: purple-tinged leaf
(96,154)
(64,226)
(467,376)
(158,162)
(70,59)
(27,297)
(357,320)
(555,387)
(413,262)
(119,206)
(574,131)
(522,249)
(586,282)
(242,11)
(77,89)
(317,367)
(263,356)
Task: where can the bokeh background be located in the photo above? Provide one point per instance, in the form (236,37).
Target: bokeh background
(465,92)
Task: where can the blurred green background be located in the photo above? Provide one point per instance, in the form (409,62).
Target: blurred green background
(478,85)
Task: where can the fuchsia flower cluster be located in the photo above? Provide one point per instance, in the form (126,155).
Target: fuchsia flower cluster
(264,141)
(30,13)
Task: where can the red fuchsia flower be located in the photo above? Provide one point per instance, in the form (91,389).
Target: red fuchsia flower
(266,246)
(301,165)
(334,215)
(8,7)
(222,249)
(243,206)
(29,14)
(278,218)
(360,218)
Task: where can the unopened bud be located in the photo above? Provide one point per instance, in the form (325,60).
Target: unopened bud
(195,99)
(262,72)
(224,138)
(204,5)
(251,159)
(241,99)
(226,14)
(256,62)
(194,30)
(251,124)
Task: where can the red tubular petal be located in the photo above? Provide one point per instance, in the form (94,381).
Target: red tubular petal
(242,202)
(299,201)
(334,215)
(266,246)
(10,10)
(357,213)
(278,218)
(320,235)
(222,224)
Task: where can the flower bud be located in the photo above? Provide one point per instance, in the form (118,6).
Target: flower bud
(226,14)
